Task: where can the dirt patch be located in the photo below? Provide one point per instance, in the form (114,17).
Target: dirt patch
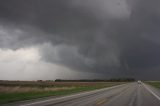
(5,89)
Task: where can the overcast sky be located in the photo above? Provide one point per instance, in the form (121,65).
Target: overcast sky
(79,39)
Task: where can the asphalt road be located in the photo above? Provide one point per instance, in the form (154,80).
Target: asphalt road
(132,94)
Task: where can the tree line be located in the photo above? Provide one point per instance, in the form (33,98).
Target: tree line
(98,80)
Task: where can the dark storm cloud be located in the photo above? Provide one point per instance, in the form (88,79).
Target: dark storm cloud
(112,37)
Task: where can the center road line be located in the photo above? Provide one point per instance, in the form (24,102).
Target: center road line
(101,101)
(151,91)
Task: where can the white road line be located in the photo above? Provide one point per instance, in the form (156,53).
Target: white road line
(151,91)
(65,97)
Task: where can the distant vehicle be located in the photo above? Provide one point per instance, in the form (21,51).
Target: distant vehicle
(139,82)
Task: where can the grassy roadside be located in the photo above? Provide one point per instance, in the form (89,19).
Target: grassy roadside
(154,83)
(20,96)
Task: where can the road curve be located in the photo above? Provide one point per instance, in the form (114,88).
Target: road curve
(132,94)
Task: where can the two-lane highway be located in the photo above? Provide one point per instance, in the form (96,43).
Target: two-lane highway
(132,94)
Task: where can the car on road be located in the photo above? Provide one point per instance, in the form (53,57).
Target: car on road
(139,82)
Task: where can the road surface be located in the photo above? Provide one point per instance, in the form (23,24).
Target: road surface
(132,94)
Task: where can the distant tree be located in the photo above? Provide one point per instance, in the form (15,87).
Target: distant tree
(98,80)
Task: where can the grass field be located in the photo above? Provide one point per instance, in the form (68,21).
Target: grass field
(12,91)
(154,83)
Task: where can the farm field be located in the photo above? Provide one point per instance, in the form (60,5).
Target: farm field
(12,91)
(154,83)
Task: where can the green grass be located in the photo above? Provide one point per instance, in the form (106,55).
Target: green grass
(13,97)
(154,83)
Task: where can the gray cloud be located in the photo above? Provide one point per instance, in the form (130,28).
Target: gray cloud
(108,37)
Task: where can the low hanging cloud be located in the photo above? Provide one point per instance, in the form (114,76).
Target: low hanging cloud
(26,64)
(112,38)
